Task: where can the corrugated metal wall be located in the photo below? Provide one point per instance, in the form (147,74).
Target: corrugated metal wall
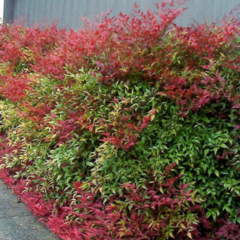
(69,12)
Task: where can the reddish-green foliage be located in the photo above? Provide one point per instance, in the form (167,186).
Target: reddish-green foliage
(125,107)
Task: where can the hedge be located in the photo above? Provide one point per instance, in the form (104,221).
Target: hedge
(126,129)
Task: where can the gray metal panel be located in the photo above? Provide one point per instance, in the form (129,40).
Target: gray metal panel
(69,12)
(8,12)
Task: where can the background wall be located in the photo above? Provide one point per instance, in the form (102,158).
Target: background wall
(1,10)
(69,12)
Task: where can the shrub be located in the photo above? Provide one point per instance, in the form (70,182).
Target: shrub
(128,128)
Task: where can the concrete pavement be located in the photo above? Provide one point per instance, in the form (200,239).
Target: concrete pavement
(16,222)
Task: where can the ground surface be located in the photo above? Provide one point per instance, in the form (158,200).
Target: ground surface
(16,222)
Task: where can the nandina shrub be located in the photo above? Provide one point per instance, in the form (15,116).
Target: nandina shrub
(111,106)
(19,51)
(158,210)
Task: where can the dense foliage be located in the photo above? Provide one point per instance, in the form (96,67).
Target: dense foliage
(127,129)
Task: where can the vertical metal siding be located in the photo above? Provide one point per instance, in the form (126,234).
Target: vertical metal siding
(9,9)
(69,12)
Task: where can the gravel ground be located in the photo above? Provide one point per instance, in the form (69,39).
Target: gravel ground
(16,222)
